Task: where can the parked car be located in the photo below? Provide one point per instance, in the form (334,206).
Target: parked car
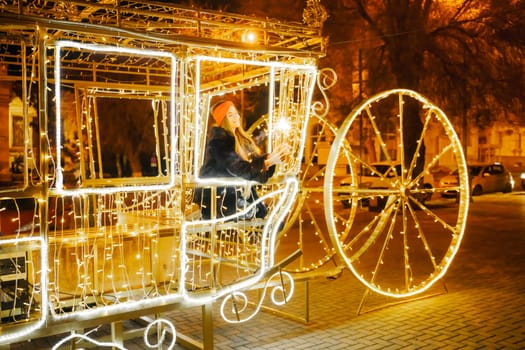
(372,179)
(484,178)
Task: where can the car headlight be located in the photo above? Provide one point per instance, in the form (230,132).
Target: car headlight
(448,183)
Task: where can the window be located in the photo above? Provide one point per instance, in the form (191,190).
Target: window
(121,134)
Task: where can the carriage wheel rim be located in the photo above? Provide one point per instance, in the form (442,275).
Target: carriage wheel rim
(401,209)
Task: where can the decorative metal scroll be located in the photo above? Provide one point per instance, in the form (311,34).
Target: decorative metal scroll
(239,305)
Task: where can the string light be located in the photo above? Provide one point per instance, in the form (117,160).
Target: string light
(129,222)
(62,44)
(404,198)
(99,231)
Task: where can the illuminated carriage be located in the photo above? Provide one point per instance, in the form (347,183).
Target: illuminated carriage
(100,224)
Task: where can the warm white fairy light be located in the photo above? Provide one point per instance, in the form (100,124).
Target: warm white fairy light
(283,126)
(404,193)
(95,242)
(285,201)
(274,67)
(164,323)
(77,336)
(279,295)
(249,37)
(309,185)
(29,327)
(59,45)
(267,251)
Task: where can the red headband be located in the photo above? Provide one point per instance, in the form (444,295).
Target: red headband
(219,112)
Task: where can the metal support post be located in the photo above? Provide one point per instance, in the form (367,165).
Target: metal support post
(207,326)
(117,333)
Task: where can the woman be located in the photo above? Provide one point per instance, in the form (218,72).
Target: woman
(230,152)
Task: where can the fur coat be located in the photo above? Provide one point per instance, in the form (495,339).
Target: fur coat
(221,160)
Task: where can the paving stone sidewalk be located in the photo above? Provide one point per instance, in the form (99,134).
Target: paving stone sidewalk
(484,307)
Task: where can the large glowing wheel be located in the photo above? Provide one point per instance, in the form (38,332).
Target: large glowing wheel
(402,233)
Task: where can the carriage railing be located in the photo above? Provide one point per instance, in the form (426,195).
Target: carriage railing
(223,252)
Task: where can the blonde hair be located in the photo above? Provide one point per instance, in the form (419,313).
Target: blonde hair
(245,147)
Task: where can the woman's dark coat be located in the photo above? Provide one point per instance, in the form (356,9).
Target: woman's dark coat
(221,160)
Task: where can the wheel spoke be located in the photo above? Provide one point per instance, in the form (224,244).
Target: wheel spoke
(312,237)
(406,260)
(401,135)
(434,216)
(394,219)
(377,133)
(318,229)
(381,223)
(309,163)
(419,143)
(432,163)
(388,238)
(421,236)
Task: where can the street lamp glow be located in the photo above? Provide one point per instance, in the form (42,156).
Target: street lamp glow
(249,37)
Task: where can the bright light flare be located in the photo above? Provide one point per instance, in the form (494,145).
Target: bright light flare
(283,126)
(249,37)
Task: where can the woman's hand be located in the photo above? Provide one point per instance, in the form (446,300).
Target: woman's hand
(277,155)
